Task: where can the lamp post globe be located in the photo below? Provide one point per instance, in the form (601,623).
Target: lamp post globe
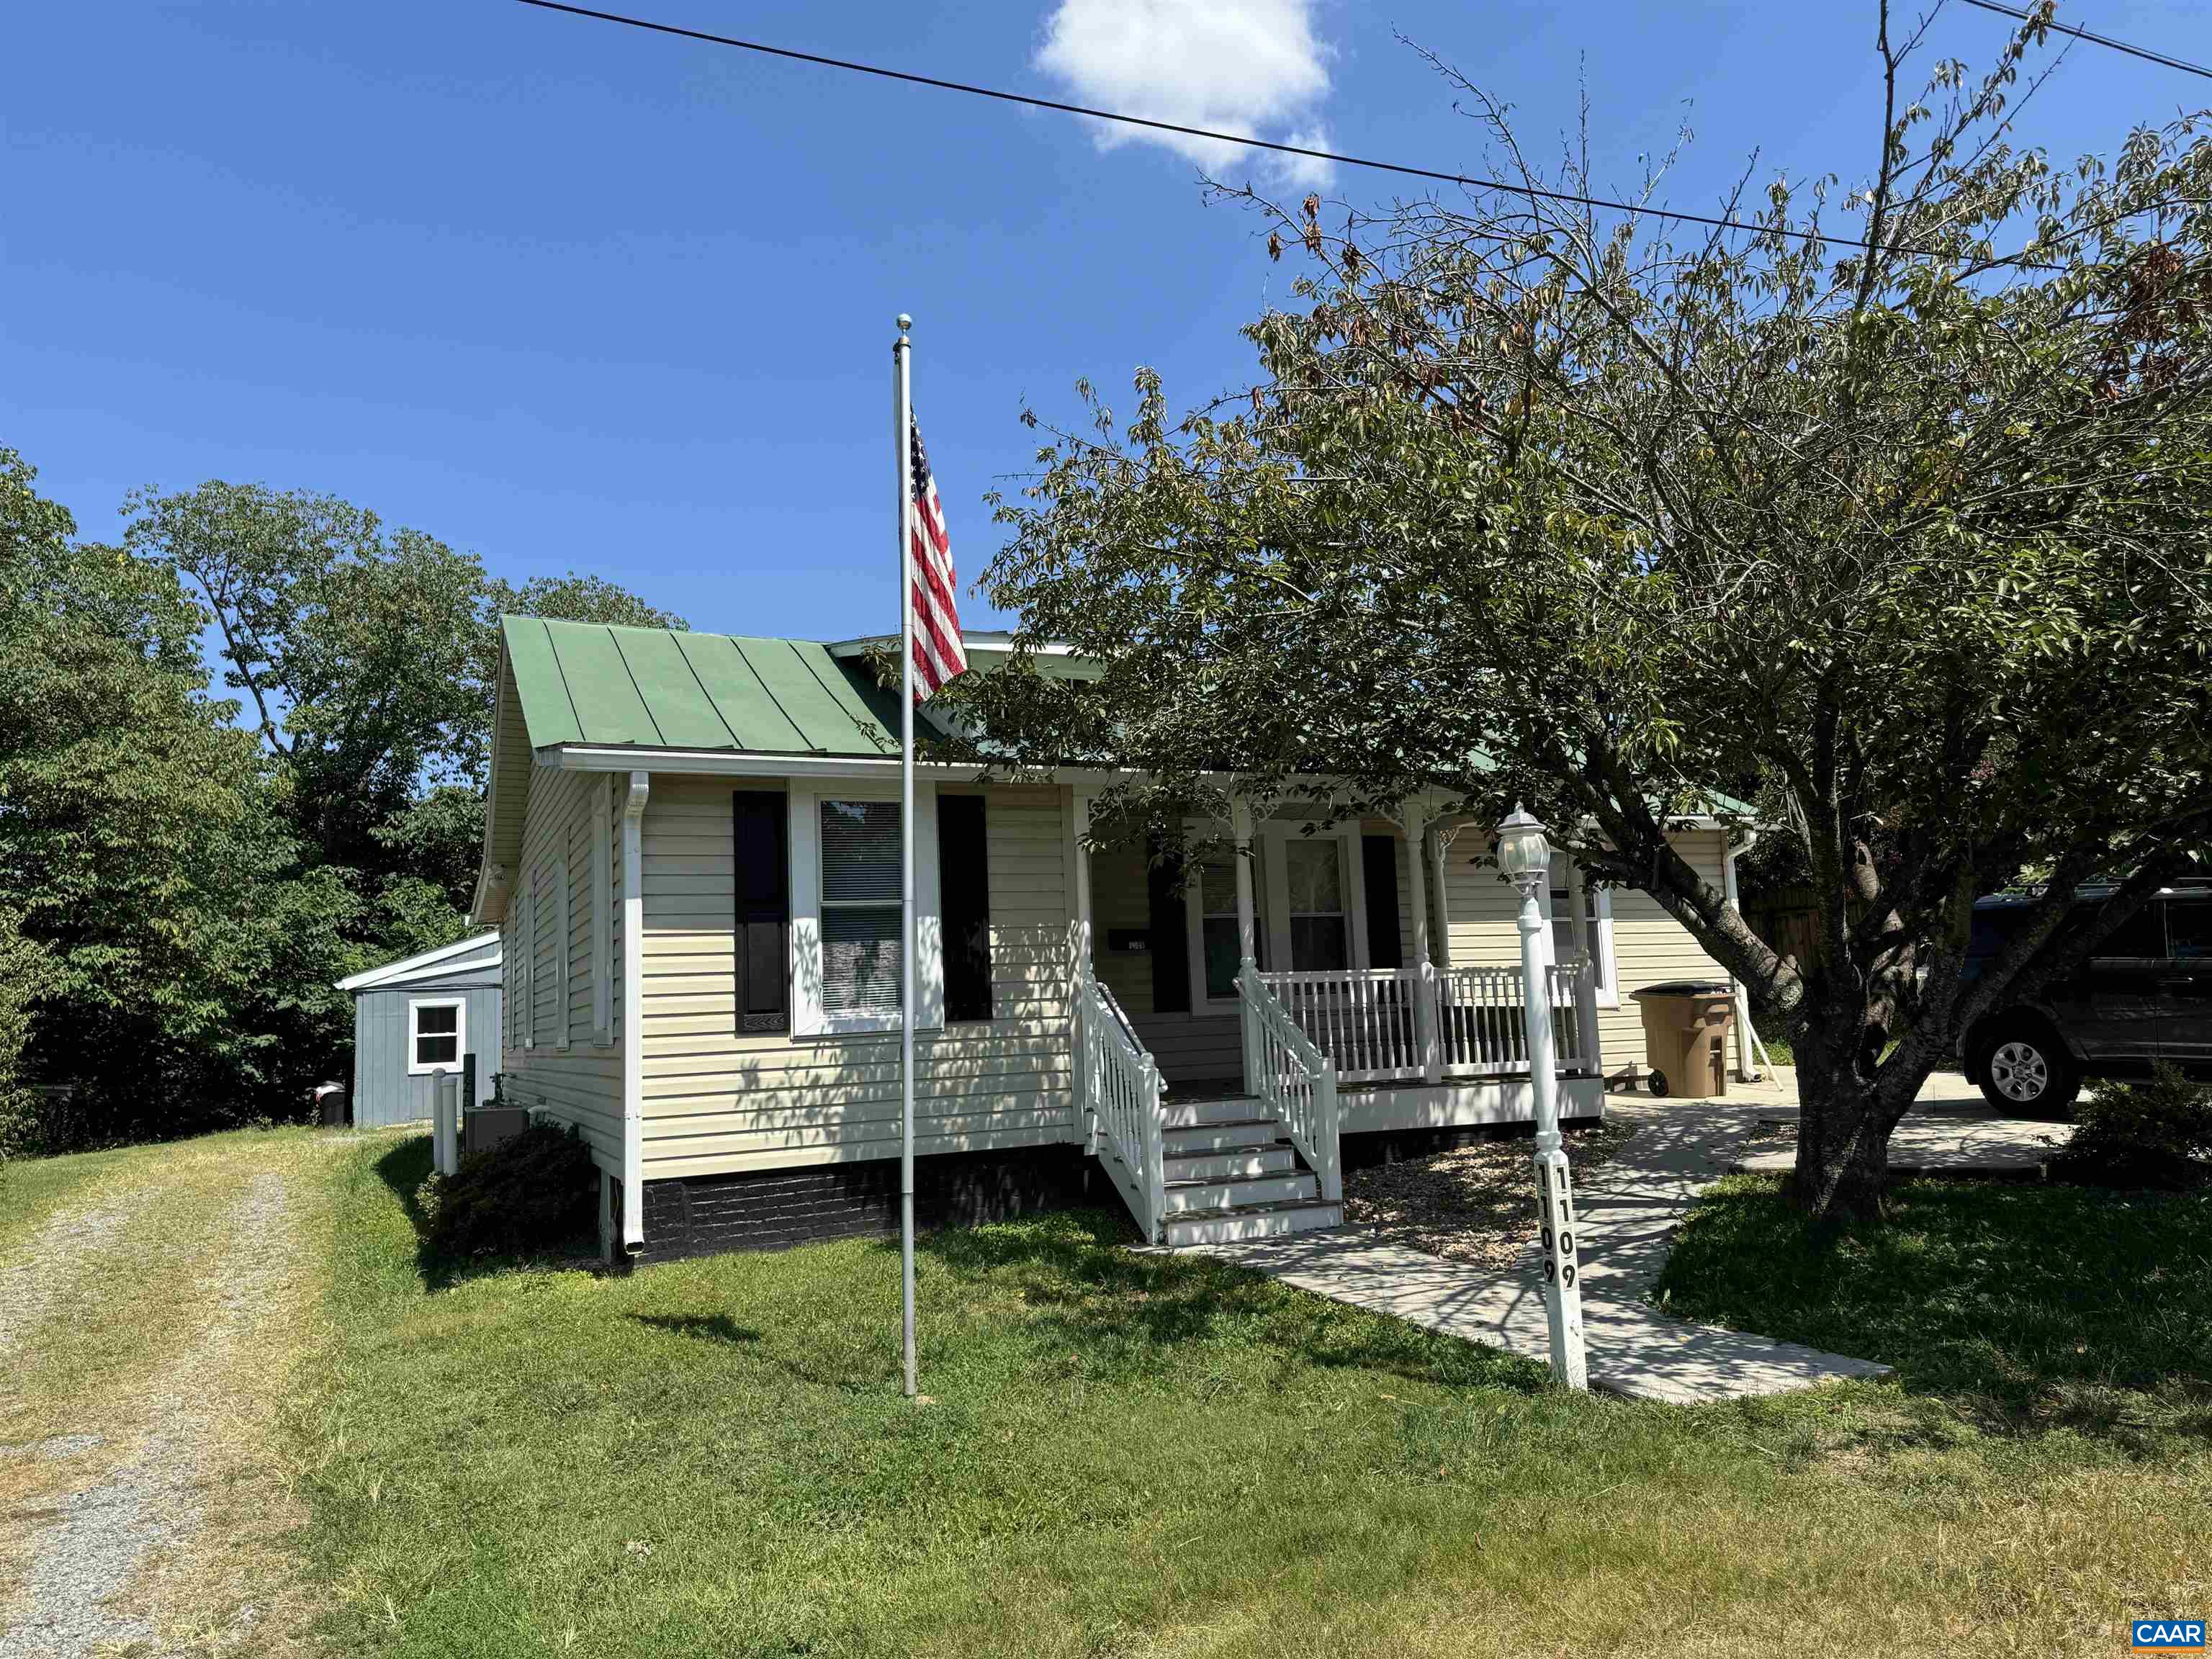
(1524,855)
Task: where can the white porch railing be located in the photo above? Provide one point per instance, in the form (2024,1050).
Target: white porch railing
(1293,1077)
(1483,1032)
(1118,1086)
(1363,1018)
(1373,1022)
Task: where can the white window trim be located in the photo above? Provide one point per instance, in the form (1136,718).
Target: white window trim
(807,1018)
(600,805)
(1607,989)
(415,1006)
(1276,900)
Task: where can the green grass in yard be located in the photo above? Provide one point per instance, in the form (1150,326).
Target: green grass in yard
(2025,1306)
(1132,1455)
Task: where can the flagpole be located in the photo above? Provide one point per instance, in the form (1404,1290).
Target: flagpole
(903,443)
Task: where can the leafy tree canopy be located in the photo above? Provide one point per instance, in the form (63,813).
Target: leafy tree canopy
(1890,511)
(183,877)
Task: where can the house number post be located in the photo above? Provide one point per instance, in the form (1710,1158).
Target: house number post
(1525,858)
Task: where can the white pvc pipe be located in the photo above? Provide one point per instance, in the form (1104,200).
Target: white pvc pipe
(1747,1039)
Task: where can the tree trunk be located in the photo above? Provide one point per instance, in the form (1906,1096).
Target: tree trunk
(1847,1106)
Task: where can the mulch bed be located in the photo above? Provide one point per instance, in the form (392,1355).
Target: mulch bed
(1475,1203)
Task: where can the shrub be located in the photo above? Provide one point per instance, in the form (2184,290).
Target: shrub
(535,1192)
(2153,1134)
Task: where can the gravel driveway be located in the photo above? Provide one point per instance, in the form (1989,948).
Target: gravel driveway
(141,1513)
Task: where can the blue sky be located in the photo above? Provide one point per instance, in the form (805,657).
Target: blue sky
(574,296)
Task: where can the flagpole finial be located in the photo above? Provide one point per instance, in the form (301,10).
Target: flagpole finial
(905,322)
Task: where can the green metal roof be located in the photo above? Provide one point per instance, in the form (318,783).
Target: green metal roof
(587,682)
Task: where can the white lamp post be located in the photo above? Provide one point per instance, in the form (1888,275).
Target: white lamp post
(1525,857)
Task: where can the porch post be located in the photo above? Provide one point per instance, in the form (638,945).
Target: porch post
(1247,932)
(1079,969)
(1426,1037)
(1079,873)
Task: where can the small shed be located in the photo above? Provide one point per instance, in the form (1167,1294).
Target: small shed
(416,1018)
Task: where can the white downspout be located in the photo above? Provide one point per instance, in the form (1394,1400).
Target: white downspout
(1746,1040)
(633,1043)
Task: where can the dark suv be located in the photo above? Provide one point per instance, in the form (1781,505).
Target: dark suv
(2145,996)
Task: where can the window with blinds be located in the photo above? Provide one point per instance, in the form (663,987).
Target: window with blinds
(860,966)
(1221,942)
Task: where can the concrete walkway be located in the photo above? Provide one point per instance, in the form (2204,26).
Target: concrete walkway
(1629,1209)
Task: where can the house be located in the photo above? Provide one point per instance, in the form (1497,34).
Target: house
(692,854)
(416,1017)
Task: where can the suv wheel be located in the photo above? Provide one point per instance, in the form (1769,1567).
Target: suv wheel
(2023,1069)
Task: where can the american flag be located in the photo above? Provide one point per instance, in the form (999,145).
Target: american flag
(937,653)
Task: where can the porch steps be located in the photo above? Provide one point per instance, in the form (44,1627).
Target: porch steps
(1230,1136)
(1231,1176)
(1225,1108)
(1225,1226)
(1234,1163)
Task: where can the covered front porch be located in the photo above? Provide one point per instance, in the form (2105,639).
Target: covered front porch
(1281,988)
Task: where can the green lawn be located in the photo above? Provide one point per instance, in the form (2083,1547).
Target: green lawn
(2024,1308)
(1134,1454)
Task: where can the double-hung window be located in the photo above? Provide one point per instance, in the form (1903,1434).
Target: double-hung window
(861,968)
(845,946)
(436,1028)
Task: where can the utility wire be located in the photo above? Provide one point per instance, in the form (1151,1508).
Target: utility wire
(2144,52)
(1004,97)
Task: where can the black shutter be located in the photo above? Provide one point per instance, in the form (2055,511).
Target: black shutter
(763,919)
(1378,860)
(963,874)
(1171,952)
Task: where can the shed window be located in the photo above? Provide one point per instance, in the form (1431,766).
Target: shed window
(861,955)
(435,1032)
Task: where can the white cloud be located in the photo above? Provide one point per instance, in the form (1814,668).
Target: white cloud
(1253,67)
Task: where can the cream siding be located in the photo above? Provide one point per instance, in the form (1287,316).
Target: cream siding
(717,1100)
(577,1082)
(1650,947)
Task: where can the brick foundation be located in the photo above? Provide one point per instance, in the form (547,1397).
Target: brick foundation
(774,1209)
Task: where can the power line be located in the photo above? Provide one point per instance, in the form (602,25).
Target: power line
(1053,104)
(2144,52)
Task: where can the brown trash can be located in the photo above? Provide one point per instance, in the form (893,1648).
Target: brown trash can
(1686,1025)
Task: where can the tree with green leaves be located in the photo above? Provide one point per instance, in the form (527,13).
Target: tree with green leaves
(1889,511)
(365,654)
(184,877)
(179,960)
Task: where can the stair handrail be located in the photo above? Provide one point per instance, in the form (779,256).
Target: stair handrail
(1120,1082)
(1295,1079)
